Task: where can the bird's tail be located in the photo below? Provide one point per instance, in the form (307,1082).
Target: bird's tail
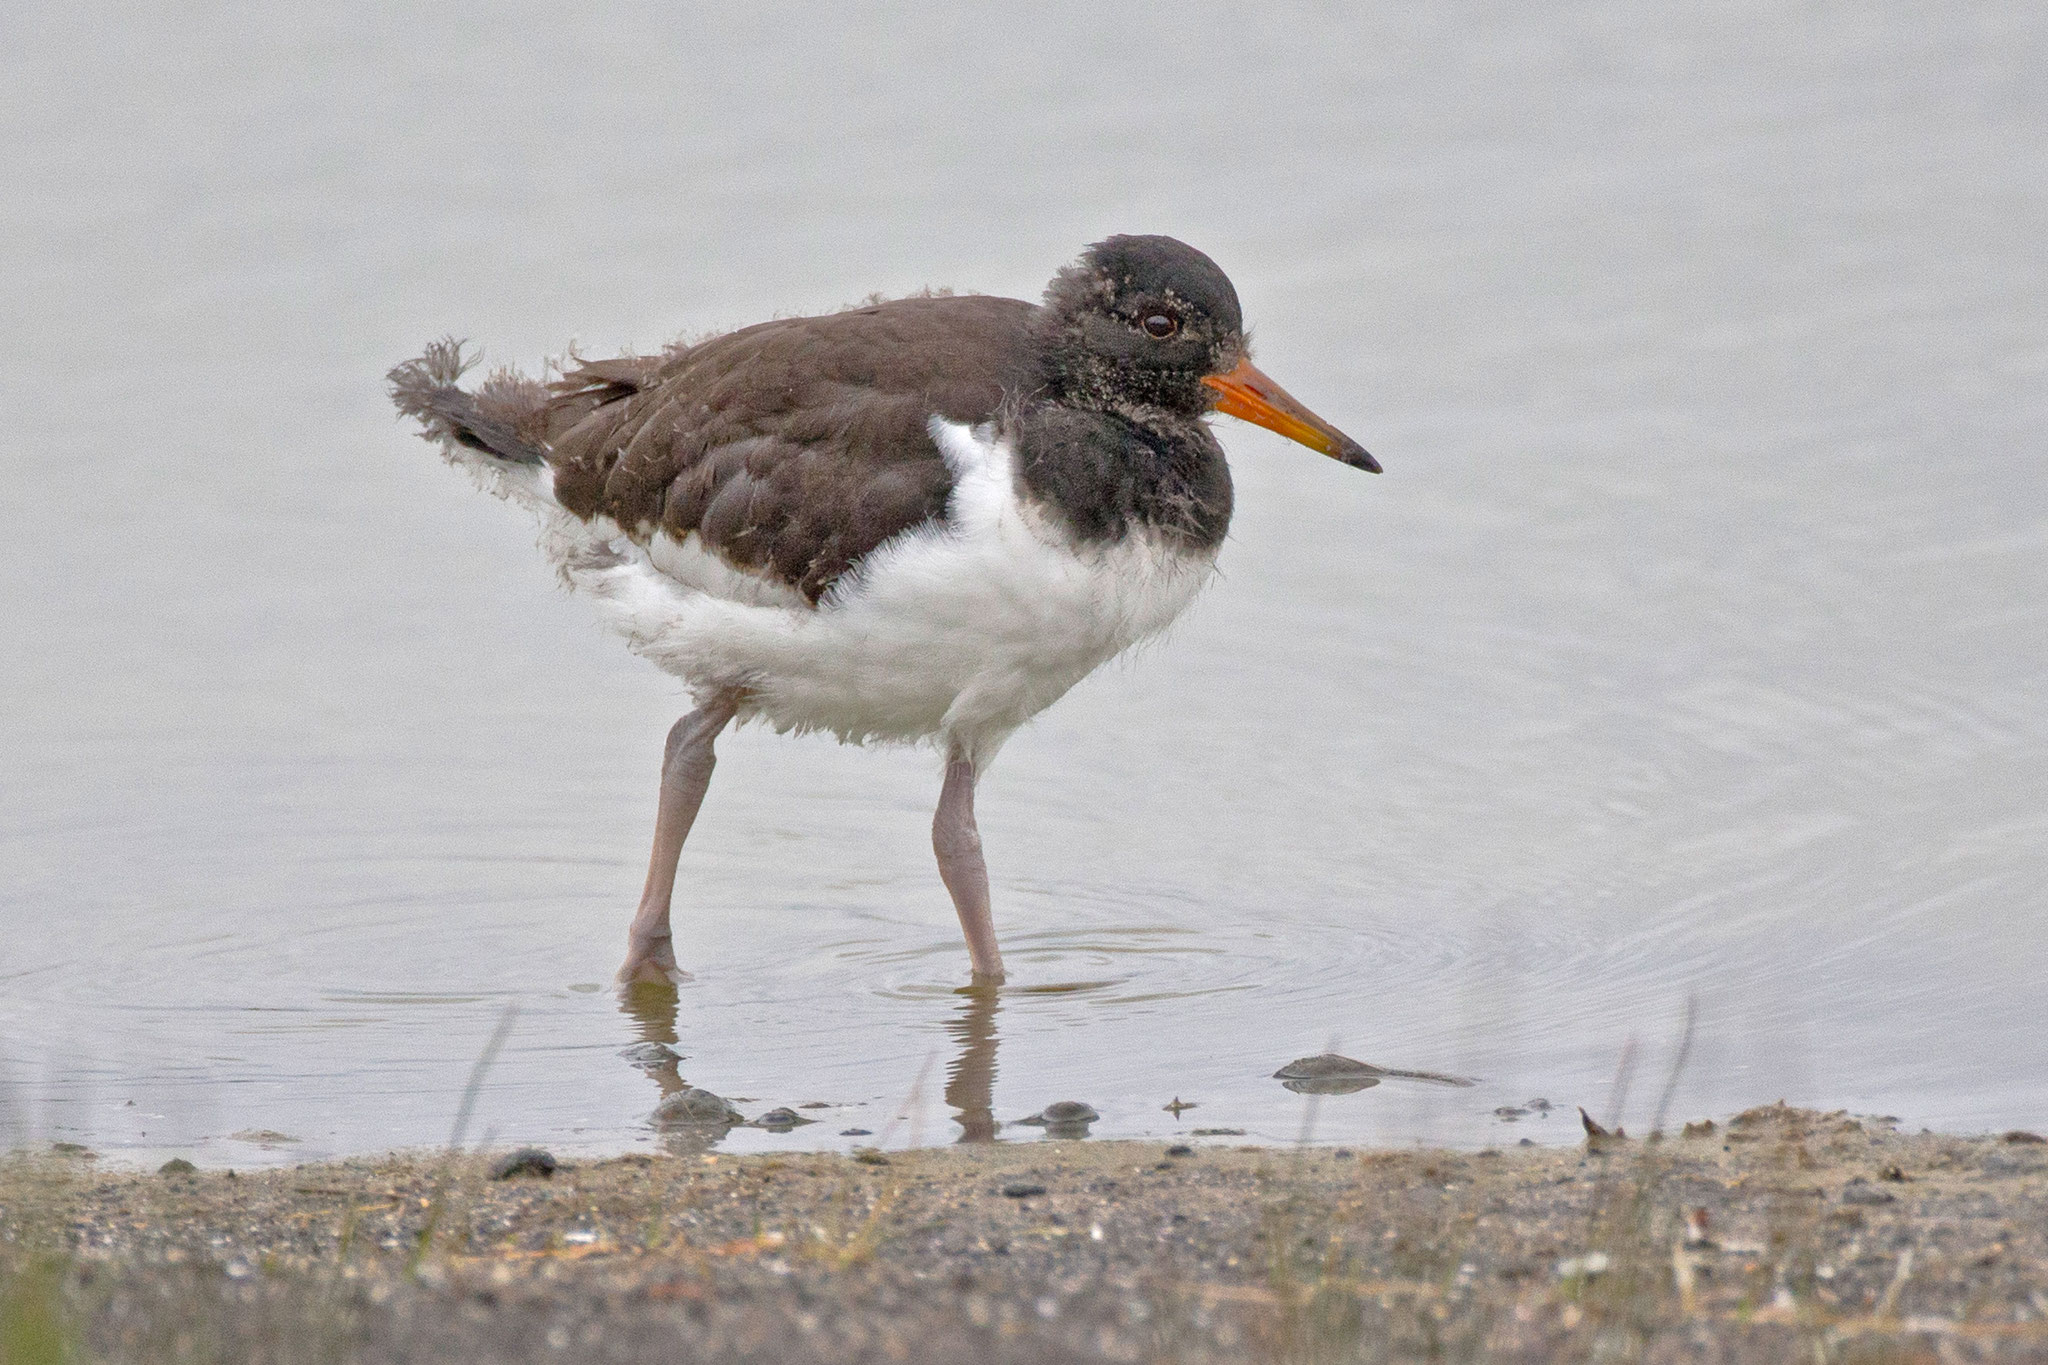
(503,418)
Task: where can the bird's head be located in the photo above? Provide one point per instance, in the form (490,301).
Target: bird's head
(1150,323)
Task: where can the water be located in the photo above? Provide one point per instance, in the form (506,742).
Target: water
(1694,646)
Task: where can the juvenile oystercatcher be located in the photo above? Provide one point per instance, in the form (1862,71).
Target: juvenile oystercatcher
(918,520)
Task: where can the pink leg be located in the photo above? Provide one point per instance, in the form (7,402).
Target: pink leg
(685,773)
(958,844)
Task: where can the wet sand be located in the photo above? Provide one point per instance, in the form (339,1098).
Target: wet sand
(1824,1237)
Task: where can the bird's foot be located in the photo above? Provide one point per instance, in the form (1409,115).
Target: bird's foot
(651,958)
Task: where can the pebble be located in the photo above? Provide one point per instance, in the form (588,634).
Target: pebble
(1326,1073)
(696,1106)
(856,1132)
(1064,1114)
(781,1120)
(1180,1149)
(1325,1065)
(650,1054)
(1019,1189)
(525,1161)
(177,1165)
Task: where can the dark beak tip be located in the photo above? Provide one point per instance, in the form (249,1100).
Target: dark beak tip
(1357,458)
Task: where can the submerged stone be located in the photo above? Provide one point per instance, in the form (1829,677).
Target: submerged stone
(697,1107)
(1326,1073)
(1063,1119)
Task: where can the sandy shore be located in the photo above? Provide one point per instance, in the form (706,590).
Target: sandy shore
(1823,1238)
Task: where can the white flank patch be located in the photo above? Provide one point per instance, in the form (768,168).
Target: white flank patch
(958,634)
(693,566)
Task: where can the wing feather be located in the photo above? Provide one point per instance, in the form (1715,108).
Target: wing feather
(792,448)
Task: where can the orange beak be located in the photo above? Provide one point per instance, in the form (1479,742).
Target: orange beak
(1249,394)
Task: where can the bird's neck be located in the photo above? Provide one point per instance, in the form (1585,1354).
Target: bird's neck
(1110,473)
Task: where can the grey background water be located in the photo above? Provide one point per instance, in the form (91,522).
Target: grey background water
(1695,643)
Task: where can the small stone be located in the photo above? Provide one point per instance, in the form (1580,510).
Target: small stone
(1063,1119)
(696,1107)
(1218,1132)
(75,1149)
(1861,1191)
(2022,1136)
(1326,1073)
(650,1054)
(177,1165)
(869,1156)
(1019,1189)
(856,1132)
(815,1104)
(525,1161)
(1180,1149)
(781,1120)
(1323,1065)
(1508,1113)
(1894,1174)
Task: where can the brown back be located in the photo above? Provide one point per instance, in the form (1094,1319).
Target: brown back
(793,447)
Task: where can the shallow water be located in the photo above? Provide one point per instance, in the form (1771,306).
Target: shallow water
(1693,647)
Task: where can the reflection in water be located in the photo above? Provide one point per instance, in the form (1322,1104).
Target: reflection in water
(692,1127)
(690,1121)
(1330,1085)
(971,1077)
(652,1008)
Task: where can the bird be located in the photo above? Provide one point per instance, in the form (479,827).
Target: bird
(914,521)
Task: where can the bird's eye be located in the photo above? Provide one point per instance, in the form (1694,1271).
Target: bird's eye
(1161,325)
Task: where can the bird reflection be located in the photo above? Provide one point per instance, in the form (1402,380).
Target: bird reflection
(970,1076)
(651,1005)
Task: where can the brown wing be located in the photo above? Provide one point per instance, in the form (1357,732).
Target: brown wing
(794,447)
